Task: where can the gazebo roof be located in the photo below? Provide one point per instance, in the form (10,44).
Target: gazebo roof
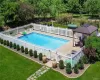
(86,29)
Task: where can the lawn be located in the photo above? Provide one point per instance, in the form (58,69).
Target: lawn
(14,66)
(93,73)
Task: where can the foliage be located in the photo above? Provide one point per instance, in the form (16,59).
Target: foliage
(26,50)
(76,69)
(1,41)
(92,6)
(61,64)
(74,6)
(40,56)
(5,42)
(18,47)
(85,59)
(65,19)
(92,49)
(81,64)
(68,68)
(8,11)
(22,49)
(14,45)
(35,54)
(25,11)
(11,44)
(49,7)
(31,52)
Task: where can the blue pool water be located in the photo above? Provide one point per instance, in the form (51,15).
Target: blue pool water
(45,41)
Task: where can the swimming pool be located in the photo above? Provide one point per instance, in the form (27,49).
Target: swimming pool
(48,42)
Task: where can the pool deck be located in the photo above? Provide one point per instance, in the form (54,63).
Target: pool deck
(66,48)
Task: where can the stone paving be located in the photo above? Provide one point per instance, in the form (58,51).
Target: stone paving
(38,73)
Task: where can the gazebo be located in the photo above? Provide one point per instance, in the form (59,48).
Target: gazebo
(85,29)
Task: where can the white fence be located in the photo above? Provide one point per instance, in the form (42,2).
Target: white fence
(53,30)
(72,58)
(44,28)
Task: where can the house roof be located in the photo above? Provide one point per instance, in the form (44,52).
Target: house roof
(86,29)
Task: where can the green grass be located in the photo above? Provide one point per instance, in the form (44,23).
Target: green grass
(93,73)
(14,66)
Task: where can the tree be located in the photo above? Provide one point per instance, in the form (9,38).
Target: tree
(68,68)
(2,41)
(73,6)
(48,7)
(92,7)
(11,44)
(26,50)
(40,56)
(61,64)
(22,49)
(18,47)
(12,10)
(35,54)
(85,59)
(14,45)
(7,43)
(31,52)
(92,48)
(8,11)
(25,11)
(81,64)
(76,69)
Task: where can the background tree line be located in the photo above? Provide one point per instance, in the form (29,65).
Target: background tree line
(23,10)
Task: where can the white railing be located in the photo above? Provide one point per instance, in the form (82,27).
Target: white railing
(44,28)
(53,30)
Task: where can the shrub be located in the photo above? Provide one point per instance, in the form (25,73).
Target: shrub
(76,69)
(80,64)
(61,64)
(65,19)
(22,49)
(7,43)
(18,47)
(31,52)
(40,56)
(14,45)
(68,68)
(26,50)
(10,44)
(1,41)
(35,54)
(85,60)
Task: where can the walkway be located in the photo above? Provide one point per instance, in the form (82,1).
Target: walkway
(38,73)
